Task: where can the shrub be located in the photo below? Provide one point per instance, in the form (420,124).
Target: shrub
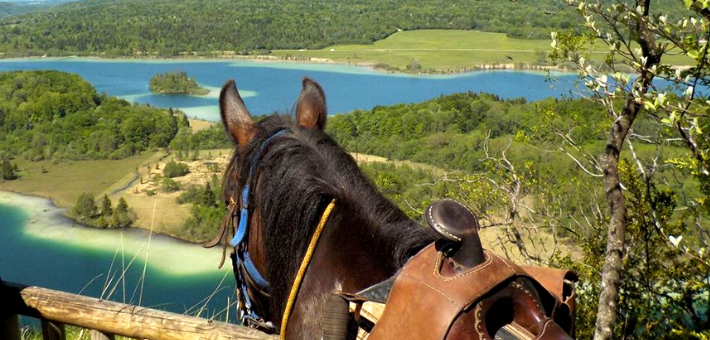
(170,185)
(174,169)
(8,171)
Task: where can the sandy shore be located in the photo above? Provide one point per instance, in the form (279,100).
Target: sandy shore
(267,59)
(163,253)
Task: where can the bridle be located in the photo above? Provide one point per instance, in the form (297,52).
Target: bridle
(246,274)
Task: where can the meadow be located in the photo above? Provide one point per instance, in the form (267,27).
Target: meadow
(63,182)
(445,51)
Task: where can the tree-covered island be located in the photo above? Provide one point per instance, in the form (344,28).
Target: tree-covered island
(176,82)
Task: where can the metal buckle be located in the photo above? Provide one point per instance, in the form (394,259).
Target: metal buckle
(258,323)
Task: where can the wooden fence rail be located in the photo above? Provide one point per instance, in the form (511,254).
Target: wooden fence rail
(107,318)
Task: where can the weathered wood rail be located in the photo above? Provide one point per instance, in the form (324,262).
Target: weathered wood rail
(106,318)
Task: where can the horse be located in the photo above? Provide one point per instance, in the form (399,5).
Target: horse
(299,199)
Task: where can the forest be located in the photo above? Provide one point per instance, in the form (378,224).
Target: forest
(177,27)
(51,115)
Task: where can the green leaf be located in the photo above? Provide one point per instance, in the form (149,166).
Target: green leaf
(693,54)
(648,105)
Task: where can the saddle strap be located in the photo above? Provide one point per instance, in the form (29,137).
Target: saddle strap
(560,283)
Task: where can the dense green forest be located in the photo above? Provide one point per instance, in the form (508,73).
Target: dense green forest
(51,115)
(172,27)
(450,131)
(176,82)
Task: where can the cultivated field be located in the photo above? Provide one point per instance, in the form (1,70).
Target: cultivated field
(445,51)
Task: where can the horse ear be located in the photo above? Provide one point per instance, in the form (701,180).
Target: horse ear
(235,116)
(310,108)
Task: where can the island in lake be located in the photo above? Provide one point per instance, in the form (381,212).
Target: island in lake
(176,82)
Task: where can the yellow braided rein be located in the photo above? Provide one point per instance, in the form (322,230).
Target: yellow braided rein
(304,265)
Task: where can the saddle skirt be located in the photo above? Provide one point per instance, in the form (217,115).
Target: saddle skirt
(424,305)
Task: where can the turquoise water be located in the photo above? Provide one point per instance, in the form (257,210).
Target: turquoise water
(43,248)
(272,86)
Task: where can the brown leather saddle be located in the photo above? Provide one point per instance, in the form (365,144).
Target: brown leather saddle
(453,289)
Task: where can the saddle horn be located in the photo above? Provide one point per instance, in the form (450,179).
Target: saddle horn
(458,228)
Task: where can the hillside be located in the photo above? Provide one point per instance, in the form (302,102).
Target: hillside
(52,115)
(172,27)
(179,27)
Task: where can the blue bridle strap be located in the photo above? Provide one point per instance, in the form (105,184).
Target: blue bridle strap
(253,272)
(239,241)
(244,212)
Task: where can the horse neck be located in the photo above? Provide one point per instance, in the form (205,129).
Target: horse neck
(353,253)
(365,248)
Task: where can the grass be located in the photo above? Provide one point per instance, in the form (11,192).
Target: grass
(169,216)
(199,125)
(445,51)
(65,181)
(436,171)
(71,333)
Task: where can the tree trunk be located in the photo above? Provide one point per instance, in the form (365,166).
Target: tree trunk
(611,272)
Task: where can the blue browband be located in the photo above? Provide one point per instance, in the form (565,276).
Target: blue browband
(241,244)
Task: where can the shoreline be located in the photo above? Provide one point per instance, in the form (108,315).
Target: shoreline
(61,212)
(46,221)
(267,59)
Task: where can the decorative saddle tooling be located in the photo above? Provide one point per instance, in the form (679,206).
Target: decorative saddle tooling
(454,286)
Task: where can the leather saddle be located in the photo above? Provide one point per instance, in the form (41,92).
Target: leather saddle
(453,289)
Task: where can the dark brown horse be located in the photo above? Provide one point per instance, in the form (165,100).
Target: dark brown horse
(298,172)
(282,176)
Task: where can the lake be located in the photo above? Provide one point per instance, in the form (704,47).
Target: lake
(269,87)
(41,247)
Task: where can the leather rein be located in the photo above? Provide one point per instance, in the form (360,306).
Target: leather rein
(245,272)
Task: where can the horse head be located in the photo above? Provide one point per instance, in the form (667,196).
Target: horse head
(281,178)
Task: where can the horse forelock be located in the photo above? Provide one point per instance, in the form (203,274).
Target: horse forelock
(297,175)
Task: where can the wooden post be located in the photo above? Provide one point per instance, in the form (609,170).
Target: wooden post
(10,327)
(96,335)
(53,330)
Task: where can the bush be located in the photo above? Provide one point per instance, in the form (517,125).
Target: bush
(174,169)
(190,195)
(170,185)
(8,171)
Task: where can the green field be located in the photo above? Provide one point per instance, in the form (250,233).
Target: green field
(65,181)
(444,51)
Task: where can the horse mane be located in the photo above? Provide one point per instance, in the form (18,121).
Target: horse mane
(306,169)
